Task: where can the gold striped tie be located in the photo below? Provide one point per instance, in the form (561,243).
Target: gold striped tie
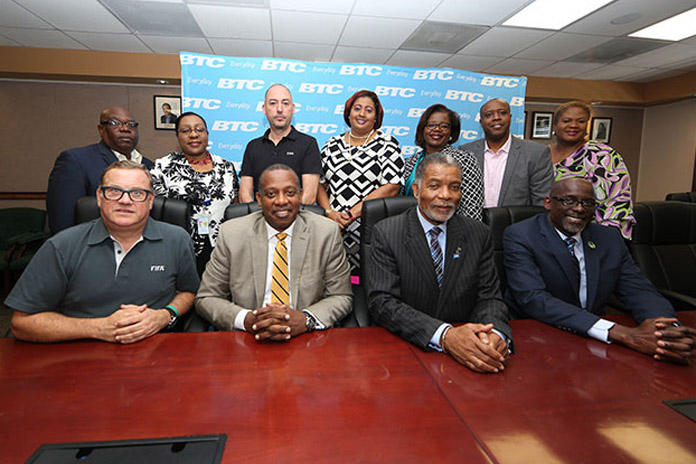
(279,287)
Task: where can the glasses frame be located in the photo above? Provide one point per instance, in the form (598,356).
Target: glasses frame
(431,126)
(118,124)
(568,202)
(104,188)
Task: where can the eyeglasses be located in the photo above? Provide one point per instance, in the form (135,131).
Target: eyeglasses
(443,126)
(115,194)
(569,202)
(197,130)
(117,123)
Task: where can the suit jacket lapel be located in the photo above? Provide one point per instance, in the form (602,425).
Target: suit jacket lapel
(591,267)
(455,246)
(259,258)
(417,245)
(560,251)
(298,253)
(479,147)
(512,160)
(107,154)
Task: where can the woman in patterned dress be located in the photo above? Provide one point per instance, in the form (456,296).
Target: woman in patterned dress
(437,130)
(362,164)
(207,182)
(597,162)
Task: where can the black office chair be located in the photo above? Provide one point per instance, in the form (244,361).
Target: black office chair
(498,219)
(242,209)
(171,210)
(373,211)
(664,247)
(689,197)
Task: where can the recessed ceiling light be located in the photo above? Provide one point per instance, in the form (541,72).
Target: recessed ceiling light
(675,28)
(552,14)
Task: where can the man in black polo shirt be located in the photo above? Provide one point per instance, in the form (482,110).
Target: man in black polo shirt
(282,143)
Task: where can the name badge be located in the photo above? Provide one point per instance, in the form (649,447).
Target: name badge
(202,224)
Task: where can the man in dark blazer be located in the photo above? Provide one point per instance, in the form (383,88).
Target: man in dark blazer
(77,171)
(416,291)
(519,172)
(561,269)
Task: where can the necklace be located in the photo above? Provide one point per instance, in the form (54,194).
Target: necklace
(201,162)
(360,147)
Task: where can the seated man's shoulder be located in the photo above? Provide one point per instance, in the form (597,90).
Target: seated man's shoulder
(471,225)
(241,225)
(317,221)
(75,236)
(170,231)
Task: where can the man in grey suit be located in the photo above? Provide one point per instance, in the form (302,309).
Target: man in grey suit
(279,272)
(515,172)
(415,290)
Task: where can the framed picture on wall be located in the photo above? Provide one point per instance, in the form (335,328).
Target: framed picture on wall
(601,129)
(541,125)
(167,109)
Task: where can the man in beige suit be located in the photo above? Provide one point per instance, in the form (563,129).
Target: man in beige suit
(279,272)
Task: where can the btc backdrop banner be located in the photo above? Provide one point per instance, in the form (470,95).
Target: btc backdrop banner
(228,92)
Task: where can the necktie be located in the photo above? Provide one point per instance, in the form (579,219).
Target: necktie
(436,252)
(279,287)
(570,243)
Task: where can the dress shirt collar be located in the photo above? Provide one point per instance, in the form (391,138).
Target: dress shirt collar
(504,149)
(271,232)
(134,156)
(427,225)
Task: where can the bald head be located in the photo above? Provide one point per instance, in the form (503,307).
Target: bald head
(119,137)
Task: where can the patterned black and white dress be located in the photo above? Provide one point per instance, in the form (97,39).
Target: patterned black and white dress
(208,193)
(352,173)
(471,204)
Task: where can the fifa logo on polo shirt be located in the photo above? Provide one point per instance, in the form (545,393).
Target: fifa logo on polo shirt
(157,268)
(290,153)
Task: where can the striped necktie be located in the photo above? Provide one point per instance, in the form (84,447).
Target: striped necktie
(436,252)
(280,292)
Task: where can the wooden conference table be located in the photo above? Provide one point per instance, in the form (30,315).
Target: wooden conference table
(351,395)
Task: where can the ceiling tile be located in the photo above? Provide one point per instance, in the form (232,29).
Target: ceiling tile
(314,6)
(610,72)
(307,52)
(5,42)
(395,8)
(518,66)
(560,46)
(566,69)
(40,38)
(417,59)
(362,31)
(239,47)
(14,15)
(631,14)
(344,54)
(110,42)
(468,12)
(471,62)
(75,15)
(148,18)
(233,22)
(673,53)
(291,26)
(173,44)
(504,41)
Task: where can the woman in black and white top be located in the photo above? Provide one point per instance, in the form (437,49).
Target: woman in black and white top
(206,181)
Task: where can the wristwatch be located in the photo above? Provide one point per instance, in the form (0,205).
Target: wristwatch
(172,317)
(310,322)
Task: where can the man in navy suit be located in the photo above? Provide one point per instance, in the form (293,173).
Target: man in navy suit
(562,269)
(77,171)
(429,268)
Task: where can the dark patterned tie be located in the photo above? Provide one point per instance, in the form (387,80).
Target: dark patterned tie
(436,252)
(570,243)
(279,286)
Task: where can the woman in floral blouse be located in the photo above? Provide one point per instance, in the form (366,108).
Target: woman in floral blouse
(206,181)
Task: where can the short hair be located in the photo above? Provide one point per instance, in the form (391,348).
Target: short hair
(440,158)
(558,183)
(492,100)
(126,164)
(188,113)
(372,96)
(571,104)
(265,95)
(279,167)
(167,105)
(438,108)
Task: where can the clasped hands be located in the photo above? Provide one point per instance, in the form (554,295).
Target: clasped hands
(132,323)
(476,347)
(660,338)
(275,322)
(342,218)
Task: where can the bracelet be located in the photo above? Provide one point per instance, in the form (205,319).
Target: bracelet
(176,311)
(442,339)
(328,211)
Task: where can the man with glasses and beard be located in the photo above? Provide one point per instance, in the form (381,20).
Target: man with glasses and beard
(561,269)
(77,171)
(429,268)
(120,278)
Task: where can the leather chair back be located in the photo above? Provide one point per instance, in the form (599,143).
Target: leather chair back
(689,197)
(664,247)
(171,210)
(498,219)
